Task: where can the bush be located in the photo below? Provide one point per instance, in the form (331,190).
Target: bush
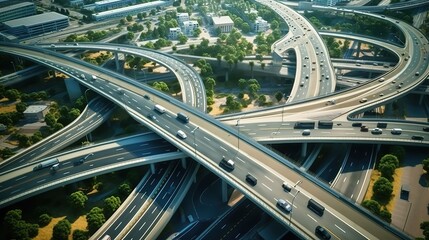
(382,189)
(62,230)
(80,235)
(44,219)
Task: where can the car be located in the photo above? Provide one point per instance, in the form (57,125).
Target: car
(251,180)
(426,129)
(356,124)
(396,131)
(416,137)
(306,132)
(79,162)
(151,116)
(146,97)
(376,131)
(364,129)
(284,205)
(322,233)
(330,102)
(228,165)
(181,134)
(363,100)
(286,187)
(381,79)
(76,44)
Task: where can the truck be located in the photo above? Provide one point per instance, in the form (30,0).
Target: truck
(182,117)
(47,163)
(159,108)
(304,125)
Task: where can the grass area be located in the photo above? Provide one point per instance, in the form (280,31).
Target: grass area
(6,108)
(396,187)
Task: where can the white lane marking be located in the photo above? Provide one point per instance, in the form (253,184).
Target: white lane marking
(223,226)
(207,138)
(18,179)
(267,187)
(15,191)
(167,126)
(118,226)
(148,107)
(352,196)
(340,228)
(351,164)
(142,226)
(223,149)
(144,144)
(66,173)
(143,195)
(57,141)
(269,179)
(357,182)
(120,158)
(119,149)
(154,209)
(241,160)
(345,179)
(40,181)
(312,218)
(132,208)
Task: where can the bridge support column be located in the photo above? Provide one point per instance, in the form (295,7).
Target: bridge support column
(358,50)
(370,75)
(182,215)
(224,191)
(152,168)
(117,62)
(183,162)
(304,150)
(421,99)
(226,76)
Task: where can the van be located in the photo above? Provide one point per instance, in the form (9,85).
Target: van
(159,108)
(306,132)
(356,124)
(182,117)
(286,187)
(251,180)
(396,131)
(228,165)
(181,134)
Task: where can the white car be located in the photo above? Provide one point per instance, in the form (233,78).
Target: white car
(284,205)
(181,134)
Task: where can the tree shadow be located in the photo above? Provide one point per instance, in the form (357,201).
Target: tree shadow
(424,180)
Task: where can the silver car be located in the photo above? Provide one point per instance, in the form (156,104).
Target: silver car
(284,205)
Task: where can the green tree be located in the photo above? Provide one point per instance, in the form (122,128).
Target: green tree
(182,39)
(6,153)
(161,86)
(111,204)
(263,66)
(95,219)
(399,152)
(12,94)
(80,235)
(124,190)
(62,230)
(262,99)
(210,83)
(44,219)
(382,189)
(16,228)
(78,200)
(242,83)
(274,24)
(129,18)
(20,107)
(387,170)
(278,96)
(425,227)
(390,159)
(372,205)
(140,16)
(50,119)
(386,215)
(425,164)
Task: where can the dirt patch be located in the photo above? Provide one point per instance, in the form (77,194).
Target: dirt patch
(46,232)
(6,108)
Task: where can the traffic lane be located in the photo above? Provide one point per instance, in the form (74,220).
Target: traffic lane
(140,198)
(146,222)
(68,167)
(236,223)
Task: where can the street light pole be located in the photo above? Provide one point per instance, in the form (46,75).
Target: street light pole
(293,199)
(238,135)
(195,145)
(13,65)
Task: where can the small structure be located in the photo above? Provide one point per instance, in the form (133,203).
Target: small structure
(35,112)
(405,191)
(182,17)
(260,25)
(224,23)
(189,27)
(174,33)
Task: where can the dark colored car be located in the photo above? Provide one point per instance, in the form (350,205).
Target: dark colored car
(322,233)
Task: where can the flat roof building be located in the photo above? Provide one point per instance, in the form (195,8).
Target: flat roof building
(15,11)
(174,33)
(182,17)
(224,23)
(260,25)
(35,112)
(189,27)
(37,24)
(108,4)
(131,10)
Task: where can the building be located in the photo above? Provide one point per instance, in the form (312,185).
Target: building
(224,23)
(189,27)
(260,25)
(327,2)
(131,10)
(37,24)
(174,33)
(108,4)
(15,11)
(35,112)
(76,3)
(182,17)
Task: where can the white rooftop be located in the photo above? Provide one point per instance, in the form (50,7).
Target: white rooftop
(222,20)
(35,108)
(35,19)
(106,2)
(19,5)
(129,8)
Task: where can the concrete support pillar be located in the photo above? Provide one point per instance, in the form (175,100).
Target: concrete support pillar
(89,136)
(224,191)
(183,162)
(304,150)
(182,215)
(358,50)
(370,75)
(226,76)
(152,168)
(117,62)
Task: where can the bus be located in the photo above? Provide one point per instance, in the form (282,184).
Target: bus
(304,125)
(315,207)
(159,108)
(182,117)
(325,124)
(47,163)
